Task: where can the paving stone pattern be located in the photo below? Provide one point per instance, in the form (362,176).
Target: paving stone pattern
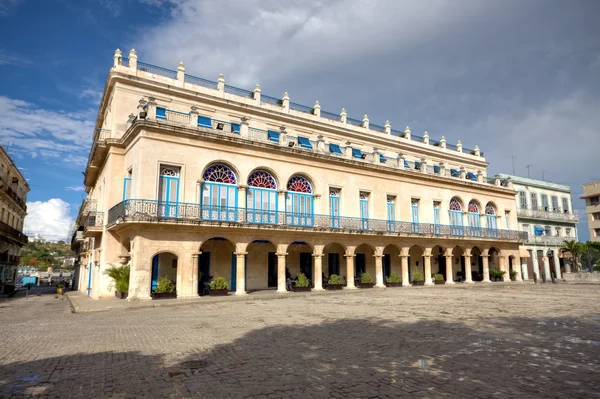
(482,341)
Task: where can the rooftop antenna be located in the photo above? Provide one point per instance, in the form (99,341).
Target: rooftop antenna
(513,160)
(528,166)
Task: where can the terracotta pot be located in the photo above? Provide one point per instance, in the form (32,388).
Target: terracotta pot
(60,291)
(222,292)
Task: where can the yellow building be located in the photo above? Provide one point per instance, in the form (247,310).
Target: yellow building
(13,196)
(191,179)
(591,195)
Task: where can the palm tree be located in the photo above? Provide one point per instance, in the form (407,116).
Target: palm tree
(575,248)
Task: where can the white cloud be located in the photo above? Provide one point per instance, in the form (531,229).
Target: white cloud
(50,219)
(52,135)
(12,59)
(7,6)
(95,96)
(75,188)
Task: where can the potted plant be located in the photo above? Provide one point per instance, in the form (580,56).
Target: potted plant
(121,277)
(165,289)
(218,287)
(439,279)
(393,280)
(335,282)
(302,283)
(513,275)
(496,275)
(366,281)
(418,278)
(60,288)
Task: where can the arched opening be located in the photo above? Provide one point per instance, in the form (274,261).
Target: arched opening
(261,198)
(476,264)
(217,258)
(261,265)
(474,218)
(300,260)
(455,213)
(164,265)
(438,261)
(299,202)
(511,267)
(458,264)
(334,261)
(364,262)
(491,220)
(391,262)
(219,193)
(416,270)
(494,261)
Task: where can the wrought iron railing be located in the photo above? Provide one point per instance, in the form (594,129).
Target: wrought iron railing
(547,240)
(12,232)
(124,62)
(271,100)
(152,210)
(94,219)
(354,122)
(543,214)
(301,108)
(200,81)
(156,70)
(239,92)
(376,128)
(102,134)
(330,116)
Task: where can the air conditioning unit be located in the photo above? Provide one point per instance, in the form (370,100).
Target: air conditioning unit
(220,126)
(143,114)
(291,144)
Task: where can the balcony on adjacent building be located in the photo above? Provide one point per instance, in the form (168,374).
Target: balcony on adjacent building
(151,211)
(94,221)
(5,188)
(547,214)
(547,240)
(13,234)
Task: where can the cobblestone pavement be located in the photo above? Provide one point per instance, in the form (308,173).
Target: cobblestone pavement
(521,340)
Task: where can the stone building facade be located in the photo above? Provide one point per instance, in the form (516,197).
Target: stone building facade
(13,197)
(190,178)
(591,196)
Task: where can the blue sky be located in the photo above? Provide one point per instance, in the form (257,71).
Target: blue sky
(516,78)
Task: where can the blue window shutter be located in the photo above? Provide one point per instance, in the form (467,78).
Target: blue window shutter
(406,164)
(235,127)
(204,121)
(454,173)
(471,176)
(161,113)
(356,153)
(334,148)
(382,158)
(304,142)
(273,135)
(418,165)
(436,169)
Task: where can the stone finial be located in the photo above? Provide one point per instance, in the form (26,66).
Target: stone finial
(256,94)
(426,137)
(118,53)
(257,88)
(459,146)
(117,58)
(181,67)
(366,121)
(132,53)
(406,129)
(317,109)
(387,127)
(180,75)
(407,133)
(286,96)
(343,116)
(286,102)
(477,150)
(443,142)
(221,83)
(221,78)
(317,105)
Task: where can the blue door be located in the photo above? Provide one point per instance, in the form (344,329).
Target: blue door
(203,272)
(364,212)
(154,272)
(168,194)
(89,285)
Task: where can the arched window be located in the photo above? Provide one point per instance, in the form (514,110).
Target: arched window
(474,219)
(456,217)
(490,220)
(168,192)
(261,198)
(299,202)
(219,193)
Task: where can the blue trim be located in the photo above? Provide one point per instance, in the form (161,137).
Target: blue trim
(334,211)
(204,121)
(474,224)
(235,127)
(436,220)
(219,192)
(456,223)
(391,215)
(169,208)
(406,164)
(257,212)
(471,176)
(436,169)
(299,209)
(454,173)
(273,135)
(382,158)
(364,214)
(161,113)
(415,218)
(126,181)
(356,153)
(154,272)
(335,149)
(418,165)
(89,285)
(304,142)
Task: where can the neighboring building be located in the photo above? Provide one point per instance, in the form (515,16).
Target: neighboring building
(591,194)
(13,197)
(190,179)
(545,212)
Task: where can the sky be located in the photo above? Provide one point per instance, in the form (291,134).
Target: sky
(517,78)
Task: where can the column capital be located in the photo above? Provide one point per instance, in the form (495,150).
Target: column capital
(377,256)
(348,256)
(403,256)
(317,255)
(281,191)
(241,253)
(281,255)
(242,186)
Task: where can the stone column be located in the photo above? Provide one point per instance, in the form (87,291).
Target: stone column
(379,271)
(427,270)
(404,260)
(503,266)
(350,272)
(486,268)
(281,283)
(567,265)
(557,265)
(240,284)
(449,274)
(468,278)
(318,272)
(195,273)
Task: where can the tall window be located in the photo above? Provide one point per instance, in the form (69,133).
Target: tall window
(299,202)
(568,232)
(490,220)
(545,202)
(558,231)
(507,219)
(414,205)
(127,186)
(456,217)
(548,230)
(334,207)
(219,193)
(554,203)
(391,212)
(474,218)
(261,198)
(565,203)
(526,228)
(364,210)
(168,192)
(523,199)
(436,217)
(534,201)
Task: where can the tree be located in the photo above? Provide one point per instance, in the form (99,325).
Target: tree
(575,248)
(590,253)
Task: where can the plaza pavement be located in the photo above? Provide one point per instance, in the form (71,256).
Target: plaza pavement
(483,341)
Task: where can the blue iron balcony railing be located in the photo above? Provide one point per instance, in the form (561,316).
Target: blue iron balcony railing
(200,81)
(156,70)
(139,210)
(94,219)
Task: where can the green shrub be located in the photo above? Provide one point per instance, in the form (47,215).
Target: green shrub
(513,274)
(302,281)
(60,286)
(219,283)
(495,273)
(334,279)
(121,277)
(393,278)
(365,278)
(417,276)
(165,286)
(438,277)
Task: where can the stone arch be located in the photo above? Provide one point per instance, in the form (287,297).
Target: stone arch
(491,208)
(416,261)
(334,261)
(296,178)
(164,264)
(266,170)
(477,263)
(364,259)
(300,259)
(225,163)
(216,257)
(458,262)
(391,260)
(474,206)
(453,202)
(438,260)
(261,264)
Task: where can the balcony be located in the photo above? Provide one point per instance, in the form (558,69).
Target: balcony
(541,213)
(13,234)
(544,240)
(10,259)
(185,213)
(93,221)
(11,193)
